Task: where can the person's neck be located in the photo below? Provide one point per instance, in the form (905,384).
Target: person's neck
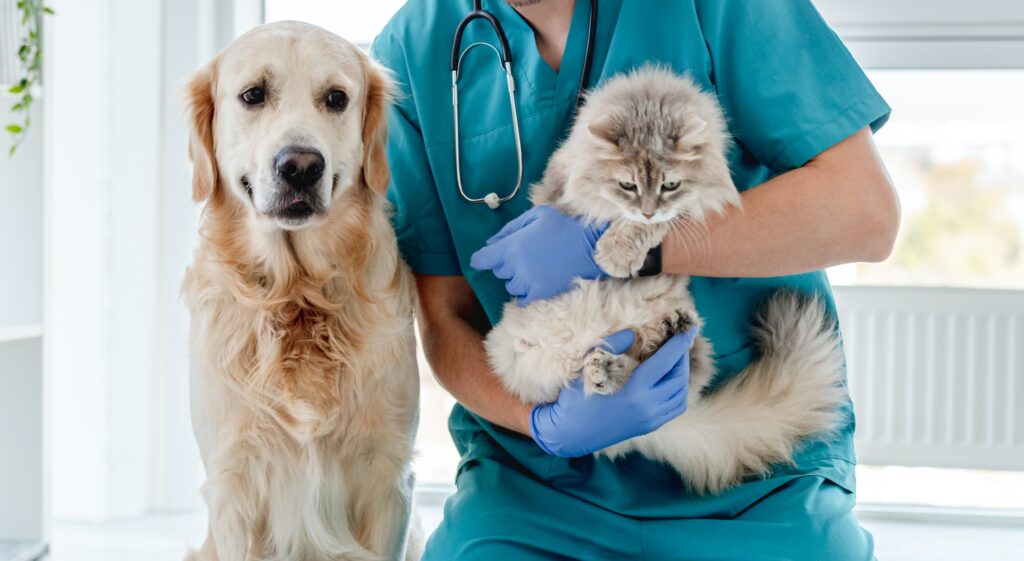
(550,20)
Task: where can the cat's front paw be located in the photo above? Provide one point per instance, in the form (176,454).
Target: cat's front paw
(604,372)
(617,258)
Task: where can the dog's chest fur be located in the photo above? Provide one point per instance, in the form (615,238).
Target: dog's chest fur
(298,363)
(299,393)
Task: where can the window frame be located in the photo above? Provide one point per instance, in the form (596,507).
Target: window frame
(949,34)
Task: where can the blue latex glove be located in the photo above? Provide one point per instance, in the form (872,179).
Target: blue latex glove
(576,425)
(540,253)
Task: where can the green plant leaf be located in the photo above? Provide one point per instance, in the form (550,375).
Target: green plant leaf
(30,54)
(10,153)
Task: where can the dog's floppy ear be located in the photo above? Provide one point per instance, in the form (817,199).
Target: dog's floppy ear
(379,88)
(199,103)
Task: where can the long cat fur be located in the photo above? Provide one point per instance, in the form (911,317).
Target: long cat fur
(647,130)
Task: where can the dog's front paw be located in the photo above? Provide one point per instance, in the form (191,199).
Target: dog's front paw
(604,372)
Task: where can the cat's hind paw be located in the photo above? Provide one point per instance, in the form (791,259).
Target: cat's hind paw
(680,321)
(604,372)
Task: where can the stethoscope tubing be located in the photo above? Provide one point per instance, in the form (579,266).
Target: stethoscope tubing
(480,13)
(493,200)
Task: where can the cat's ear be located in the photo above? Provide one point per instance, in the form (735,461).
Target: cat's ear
(608,129)
(691,130)
(691,136)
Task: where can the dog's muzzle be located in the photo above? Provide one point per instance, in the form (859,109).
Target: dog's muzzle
(299,170)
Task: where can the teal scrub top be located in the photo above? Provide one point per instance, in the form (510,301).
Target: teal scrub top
(790,90)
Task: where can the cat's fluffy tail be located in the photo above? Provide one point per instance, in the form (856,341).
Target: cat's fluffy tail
(793,390)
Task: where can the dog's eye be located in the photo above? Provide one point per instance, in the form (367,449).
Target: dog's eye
(254,96)
(670,186)
(627,186)
(337,100)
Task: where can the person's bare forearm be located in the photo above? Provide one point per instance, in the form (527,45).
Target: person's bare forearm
(839,208)
(451,327)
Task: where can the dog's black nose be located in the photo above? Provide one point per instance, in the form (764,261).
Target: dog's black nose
(301,168)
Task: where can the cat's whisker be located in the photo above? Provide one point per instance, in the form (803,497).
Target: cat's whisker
(687,230)
(699,229)
(675,227)
(703,234)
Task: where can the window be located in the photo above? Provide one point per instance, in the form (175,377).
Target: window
(953,74)
(956,154)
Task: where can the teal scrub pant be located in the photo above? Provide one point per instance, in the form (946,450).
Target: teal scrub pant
(502,514)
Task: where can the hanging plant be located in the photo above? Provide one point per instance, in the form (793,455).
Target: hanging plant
(30,53)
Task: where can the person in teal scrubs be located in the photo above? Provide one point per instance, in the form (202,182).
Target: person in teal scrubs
(815,194)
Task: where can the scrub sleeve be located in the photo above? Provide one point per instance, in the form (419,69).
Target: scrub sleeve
(420,224)
(790,90)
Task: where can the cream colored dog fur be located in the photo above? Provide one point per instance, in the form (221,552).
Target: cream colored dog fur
(304,384)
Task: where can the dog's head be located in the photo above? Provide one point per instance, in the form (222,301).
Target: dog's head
(285,119)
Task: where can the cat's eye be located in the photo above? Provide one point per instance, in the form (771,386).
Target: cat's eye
(254,96)
(627,186)
(670,186)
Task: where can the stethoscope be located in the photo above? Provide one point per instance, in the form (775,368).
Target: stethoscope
(493,200)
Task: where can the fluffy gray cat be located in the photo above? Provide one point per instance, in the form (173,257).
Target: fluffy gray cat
(647,152)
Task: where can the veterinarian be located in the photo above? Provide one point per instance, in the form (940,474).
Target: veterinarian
(815,194)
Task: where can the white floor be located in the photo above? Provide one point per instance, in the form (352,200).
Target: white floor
(166,538)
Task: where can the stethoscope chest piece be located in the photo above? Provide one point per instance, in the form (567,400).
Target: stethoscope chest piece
(493,201)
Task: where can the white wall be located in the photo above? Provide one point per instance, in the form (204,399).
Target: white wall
(103,229)
(21,211)
(121,230)
(22,482)
(22,487)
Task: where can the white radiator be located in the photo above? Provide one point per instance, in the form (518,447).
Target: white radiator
(936,375)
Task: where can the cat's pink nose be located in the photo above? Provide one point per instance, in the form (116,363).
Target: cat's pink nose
(648,215)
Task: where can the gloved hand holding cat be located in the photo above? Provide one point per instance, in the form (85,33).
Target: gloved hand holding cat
(541,253)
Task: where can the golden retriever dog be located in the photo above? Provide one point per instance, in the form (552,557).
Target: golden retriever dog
(304,387)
